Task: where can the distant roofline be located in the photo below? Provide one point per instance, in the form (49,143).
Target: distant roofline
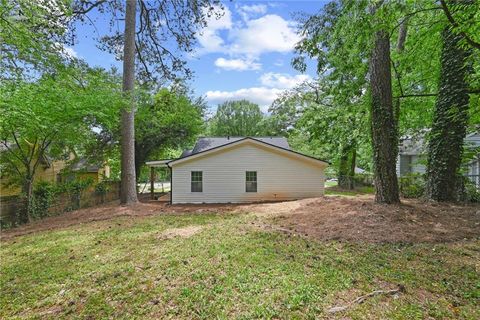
(243,139)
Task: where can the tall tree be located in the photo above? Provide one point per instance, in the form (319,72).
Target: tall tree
(169,120)
(128,189)
(237,118)
(42,120)
(384,129)
(445,147)
(160,24)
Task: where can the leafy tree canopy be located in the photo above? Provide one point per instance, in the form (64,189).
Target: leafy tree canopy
(237,118)
(169,119)
(52,116)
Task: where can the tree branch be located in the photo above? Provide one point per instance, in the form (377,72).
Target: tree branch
(408,15)
(12,152)
(88,9)
(470,91)
(455,24)
(19,147)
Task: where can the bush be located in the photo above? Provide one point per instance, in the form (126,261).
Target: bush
(472,194)
(363,180)
(43,195)
(74,190)
(102,189)
(412,186)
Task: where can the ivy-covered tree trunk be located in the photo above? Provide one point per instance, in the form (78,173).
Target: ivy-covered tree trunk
(450,119)
(128,190)
(384,129)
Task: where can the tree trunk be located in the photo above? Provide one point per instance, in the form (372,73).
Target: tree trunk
(384,129)
(24,215)
(450,119)
(343,168)
(353,164)
(345,172)
(128,194)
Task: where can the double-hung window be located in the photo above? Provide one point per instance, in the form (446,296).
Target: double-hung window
(197,181)
(251,181)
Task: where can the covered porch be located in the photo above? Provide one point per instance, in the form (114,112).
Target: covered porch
(160,180)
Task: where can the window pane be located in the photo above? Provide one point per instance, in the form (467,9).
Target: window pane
(196,181)
(251,181)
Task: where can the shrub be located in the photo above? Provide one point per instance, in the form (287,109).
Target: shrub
(412,185)
(472,193)
(74,190)
(43,195)
(363,180)
(102,189)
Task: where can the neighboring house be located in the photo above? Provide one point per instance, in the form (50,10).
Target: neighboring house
(412,156)
(84,170)
(47,170)
(238,169)
(56,171)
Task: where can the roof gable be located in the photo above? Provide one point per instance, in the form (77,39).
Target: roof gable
(254,141)
(207,143)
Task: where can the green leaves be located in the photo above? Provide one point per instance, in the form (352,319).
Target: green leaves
(56,114)
(237,118)
(167,120)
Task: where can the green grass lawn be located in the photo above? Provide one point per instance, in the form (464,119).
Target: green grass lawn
(333,191)
(127,268)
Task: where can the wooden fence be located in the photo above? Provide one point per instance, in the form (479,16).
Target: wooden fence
(10,206)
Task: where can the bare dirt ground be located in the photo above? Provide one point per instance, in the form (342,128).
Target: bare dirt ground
(109,211)
(328,218)
(359,219)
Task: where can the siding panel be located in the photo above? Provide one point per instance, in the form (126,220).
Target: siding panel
(279,177)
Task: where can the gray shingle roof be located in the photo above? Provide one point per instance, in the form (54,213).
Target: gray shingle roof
(83,165)
(206,143)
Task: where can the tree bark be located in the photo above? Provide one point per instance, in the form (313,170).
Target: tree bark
(383,126)
(24,216)
(128,194)
(353,164)
(445,147)
(347,160)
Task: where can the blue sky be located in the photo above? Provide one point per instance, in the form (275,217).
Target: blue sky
(244,54)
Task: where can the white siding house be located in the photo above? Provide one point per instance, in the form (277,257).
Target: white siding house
(240,170)
(412,156)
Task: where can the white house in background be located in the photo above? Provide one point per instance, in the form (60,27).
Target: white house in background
(243,169)
(412,156)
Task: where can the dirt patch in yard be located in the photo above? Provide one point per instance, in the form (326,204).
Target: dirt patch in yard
(110,211)
(186,232)
(340,218)
(359,219)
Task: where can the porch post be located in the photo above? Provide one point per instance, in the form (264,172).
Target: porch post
(152,183)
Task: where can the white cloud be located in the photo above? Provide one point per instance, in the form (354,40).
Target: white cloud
(246,11)
(260,95)
(70,52)
(210,39)
(273,84)
(250,38)
(237,64)
(67,52)
(270,33)
(254,8)
(282,80)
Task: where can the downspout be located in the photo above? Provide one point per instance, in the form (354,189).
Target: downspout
(171,184)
